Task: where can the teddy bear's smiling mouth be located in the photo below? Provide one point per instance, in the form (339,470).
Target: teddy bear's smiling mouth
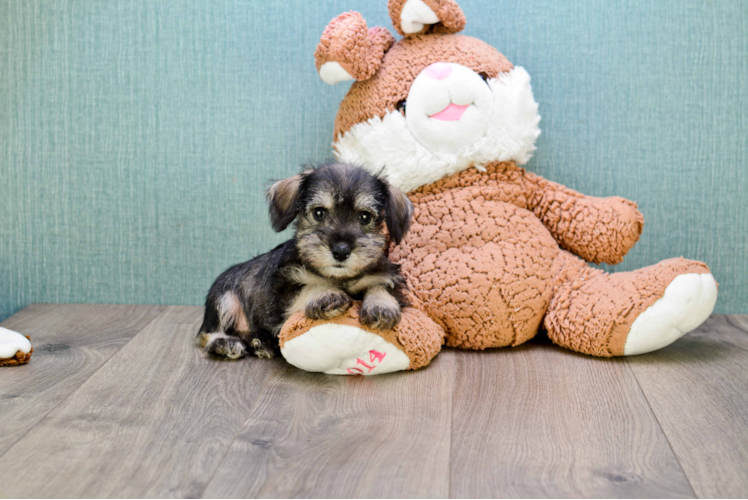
(451,113)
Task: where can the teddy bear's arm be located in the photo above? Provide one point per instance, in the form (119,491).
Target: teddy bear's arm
(596,229)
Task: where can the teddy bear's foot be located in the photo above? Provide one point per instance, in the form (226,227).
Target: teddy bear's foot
(687,302)
(344,350)
(344,346)
(628,313)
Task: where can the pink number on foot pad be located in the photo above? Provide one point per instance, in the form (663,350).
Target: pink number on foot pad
(375,357)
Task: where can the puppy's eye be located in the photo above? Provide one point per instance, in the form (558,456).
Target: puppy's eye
(400,106)
(484,76)
(364,218)
(319,214)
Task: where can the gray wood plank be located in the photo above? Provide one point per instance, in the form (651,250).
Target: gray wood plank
(739,321)
(155,421)
(698,389)
(540,421)
(71,342)
(323,436)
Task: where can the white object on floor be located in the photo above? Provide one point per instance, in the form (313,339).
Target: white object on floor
(344,350)
(11,342)
(688,301)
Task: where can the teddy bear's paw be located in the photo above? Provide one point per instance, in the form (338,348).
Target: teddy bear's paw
(344,350)
(688,301)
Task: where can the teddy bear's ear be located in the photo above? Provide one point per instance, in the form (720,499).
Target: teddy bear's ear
(411,17)
(348,50)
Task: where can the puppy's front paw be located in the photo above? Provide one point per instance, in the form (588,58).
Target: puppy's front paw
(328,305)
(380,316)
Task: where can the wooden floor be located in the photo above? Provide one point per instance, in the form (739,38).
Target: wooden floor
(117,402)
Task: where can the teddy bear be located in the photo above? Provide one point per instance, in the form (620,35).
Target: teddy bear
(495,253)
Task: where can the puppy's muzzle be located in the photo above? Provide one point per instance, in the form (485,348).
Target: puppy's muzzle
(341,251)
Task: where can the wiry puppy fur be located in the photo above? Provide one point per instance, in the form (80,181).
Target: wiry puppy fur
(338,254)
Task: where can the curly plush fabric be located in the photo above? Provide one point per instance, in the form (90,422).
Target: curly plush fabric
(596,229)
(483,258)
(480,264)
(416,335)
(592,311)
(481,252)
(348,42)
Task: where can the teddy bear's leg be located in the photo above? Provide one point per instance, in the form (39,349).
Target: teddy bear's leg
(343,346)
(627,313)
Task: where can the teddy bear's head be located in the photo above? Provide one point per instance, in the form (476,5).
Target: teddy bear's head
(429,105)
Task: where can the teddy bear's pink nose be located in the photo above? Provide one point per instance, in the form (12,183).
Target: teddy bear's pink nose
(439,71)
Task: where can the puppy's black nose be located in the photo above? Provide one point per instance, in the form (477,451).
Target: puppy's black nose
(341,251)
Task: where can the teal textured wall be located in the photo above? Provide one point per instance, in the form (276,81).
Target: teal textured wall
(136,136)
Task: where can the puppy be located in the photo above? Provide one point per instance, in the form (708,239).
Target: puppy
(338,254)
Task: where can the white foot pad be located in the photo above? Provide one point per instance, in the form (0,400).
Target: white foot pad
(11,342)
(688,301)
(344,350)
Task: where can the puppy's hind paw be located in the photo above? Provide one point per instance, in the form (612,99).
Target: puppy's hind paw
(380,316)
(261,351)
(328,305)
(223,345)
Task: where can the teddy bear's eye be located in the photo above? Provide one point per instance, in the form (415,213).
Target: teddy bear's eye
(400,106)
(484,76)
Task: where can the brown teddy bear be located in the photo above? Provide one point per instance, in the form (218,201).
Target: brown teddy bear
(495,253)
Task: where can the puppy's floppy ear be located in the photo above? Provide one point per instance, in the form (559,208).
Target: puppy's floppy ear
(398,213)
(283,197)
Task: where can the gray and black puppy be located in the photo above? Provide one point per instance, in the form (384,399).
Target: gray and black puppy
(338,254)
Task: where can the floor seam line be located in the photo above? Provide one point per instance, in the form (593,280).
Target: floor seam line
(659,424)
